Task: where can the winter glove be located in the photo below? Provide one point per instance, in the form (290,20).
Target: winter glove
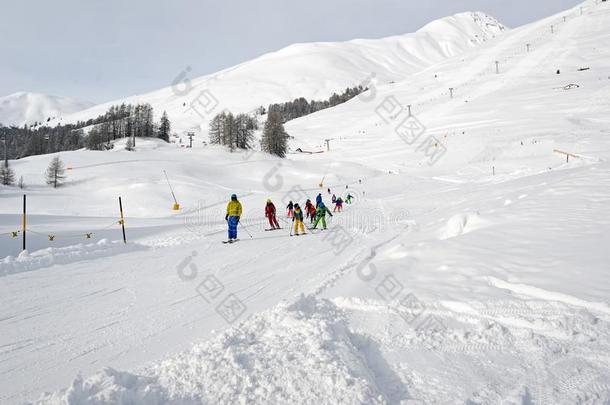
(227,217)
(238,220)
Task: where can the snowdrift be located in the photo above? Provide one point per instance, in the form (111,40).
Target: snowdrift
(298,353)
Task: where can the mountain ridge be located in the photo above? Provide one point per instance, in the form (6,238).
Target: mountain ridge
(311,70)
(23,108)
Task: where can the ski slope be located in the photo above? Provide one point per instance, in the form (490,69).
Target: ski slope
(311,70)
(479,279)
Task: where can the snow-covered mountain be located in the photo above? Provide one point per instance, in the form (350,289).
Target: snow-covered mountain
(310,70)
(27,108)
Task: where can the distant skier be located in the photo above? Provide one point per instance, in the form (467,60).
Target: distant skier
(318,199)
(349,198)
(298,220)
(271,215)
(290,208)
(339,204)
(234,211)
(329,191)
(321,216)
(334,199)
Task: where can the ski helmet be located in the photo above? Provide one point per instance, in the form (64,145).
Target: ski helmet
(233,196)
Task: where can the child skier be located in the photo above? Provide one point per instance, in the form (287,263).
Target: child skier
(338,205)
(312,214)
(311,211)
(308,206)
(298,220)
(318,199)
(234,211)
(270,214)
(321,216)
(290,208)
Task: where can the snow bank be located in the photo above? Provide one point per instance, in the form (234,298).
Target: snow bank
(461,224)
(299,353)
(53,256)
(109,387)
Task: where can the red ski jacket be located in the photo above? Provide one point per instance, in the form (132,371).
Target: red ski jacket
(269,210)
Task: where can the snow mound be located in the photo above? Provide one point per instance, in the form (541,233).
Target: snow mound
(108,387)
(461,224)
(299,353)
(54,256)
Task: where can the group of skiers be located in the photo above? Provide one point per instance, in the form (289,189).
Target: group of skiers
(316,214)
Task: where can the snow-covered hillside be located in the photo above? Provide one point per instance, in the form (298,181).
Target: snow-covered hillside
(312,70)
(27,108)
(472,267)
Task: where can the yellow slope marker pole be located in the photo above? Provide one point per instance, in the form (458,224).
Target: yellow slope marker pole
(176,206)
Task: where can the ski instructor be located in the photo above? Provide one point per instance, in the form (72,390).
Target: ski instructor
(232,217)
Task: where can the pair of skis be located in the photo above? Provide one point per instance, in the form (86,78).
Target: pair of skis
(311,230)
(237,240)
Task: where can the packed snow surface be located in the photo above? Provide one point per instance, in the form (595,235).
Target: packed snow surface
(478,275)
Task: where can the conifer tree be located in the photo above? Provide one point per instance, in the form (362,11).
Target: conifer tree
(164,127)
(55,174)
(7,175)
(275,138)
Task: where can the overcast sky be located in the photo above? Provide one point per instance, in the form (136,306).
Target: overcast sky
(99,50)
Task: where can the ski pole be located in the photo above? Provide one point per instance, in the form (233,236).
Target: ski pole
(283,220)
(246,229)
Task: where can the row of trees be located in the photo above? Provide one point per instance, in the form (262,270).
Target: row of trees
(301,107)
(118,122)
(233,131)
(28,141)
(237,132)
(126,121)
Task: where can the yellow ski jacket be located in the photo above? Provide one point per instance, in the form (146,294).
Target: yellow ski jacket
(234,209)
